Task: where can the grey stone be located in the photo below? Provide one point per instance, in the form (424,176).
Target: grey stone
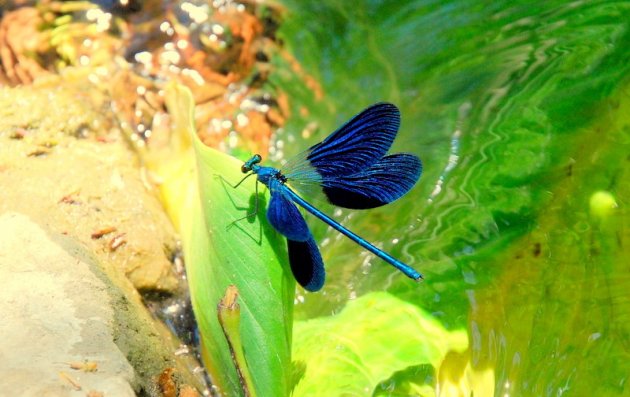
(54,310)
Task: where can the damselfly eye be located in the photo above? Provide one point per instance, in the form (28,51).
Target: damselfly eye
(249,164)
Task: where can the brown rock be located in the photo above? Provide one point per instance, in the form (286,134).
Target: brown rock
(81,186)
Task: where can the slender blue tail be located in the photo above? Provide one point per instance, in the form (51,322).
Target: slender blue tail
(406,269)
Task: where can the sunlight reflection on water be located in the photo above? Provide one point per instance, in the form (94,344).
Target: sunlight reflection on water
(508,107)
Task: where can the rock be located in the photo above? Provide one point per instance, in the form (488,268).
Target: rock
(67,324)
(66,166)
(81,231)
(56,311)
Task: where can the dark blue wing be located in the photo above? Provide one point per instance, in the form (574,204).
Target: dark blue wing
(306,264)
(356,145)
(387,180)
(286,218)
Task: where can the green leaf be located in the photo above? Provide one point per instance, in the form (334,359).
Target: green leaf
(349,354)
(220,252)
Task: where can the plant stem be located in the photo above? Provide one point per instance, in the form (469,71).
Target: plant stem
(229,313)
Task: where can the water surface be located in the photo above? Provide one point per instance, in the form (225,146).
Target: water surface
(519,112)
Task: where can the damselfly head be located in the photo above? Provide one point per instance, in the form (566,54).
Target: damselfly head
(249,164)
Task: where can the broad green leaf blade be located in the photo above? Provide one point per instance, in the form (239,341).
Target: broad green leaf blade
(349,354)
(248,254)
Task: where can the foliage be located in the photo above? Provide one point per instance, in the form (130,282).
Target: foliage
(373,337)
(221,252)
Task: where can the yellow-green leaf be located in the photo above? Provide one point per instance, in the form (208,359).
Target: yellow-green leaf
(373,337)
(248,254)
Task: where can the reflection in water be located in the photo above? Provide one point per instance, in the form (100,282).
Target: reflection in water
(453,156)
